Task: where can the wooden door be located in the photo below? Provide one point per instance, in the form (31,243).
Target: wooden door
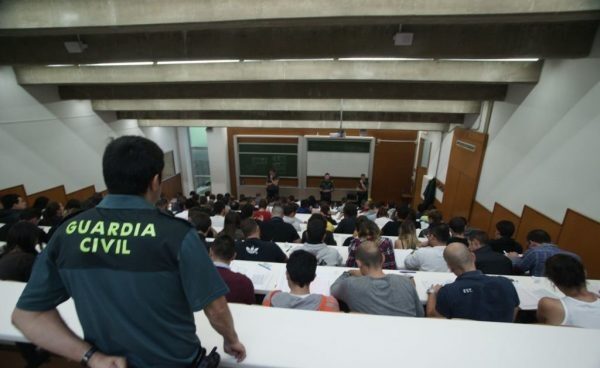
(392,169)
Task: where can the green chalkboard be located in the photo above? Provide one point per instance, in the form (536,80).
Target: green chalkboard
(258,164)
(332,145)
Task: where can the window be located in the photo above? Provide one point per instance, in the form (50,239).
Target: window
(199,153)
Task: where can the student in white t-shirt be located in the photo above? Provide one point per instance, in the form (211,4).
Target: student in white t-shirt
(579,307)
(430,257)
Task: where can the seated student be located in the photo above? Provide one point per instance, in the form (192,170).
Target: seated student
(246,211)
(369,210)
(429,257)
(539,250)
(368,230)
(52,215)
(434,217)
(579,307)
(218,214)
(304,207)
(486,260)
(17,262)
(202,223)
(315,237)
(222,252)
(472,295)
(74,205)
(277,230)
(232,226)
(407,237)
(369,290)
(457,227)
(301,271)
(255,249)
(262,214)
(289,216)
(187,205)
(348,224)
(504,241)
(41,203)
(382,217)
(326,212)
(12,205)
(162,204)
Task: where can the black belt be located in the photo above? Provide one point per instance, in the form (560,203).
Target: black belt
(202,360)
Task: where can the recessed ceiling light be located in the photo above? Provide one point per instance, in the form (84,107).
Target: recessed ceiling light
(173,62)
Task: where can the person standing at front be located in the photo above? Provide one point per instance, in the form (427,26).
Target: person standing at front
(136,276)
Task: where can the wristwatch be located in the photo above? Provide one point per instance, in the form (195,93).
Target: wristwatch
(88,355)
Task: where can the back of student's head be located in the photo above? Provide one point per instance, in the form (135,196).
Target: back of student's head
(382,212)
(262,204)
(232,219)
(434,216)
(304,203)
(41,202)
(223,247)
(538,236)
(315,229)
(350,210)
(457,225)
(441,232)
(369,254)
(479,235)
(129,164)
(218,208)
(75,204)
(367,229)
(277,210)
(200,219)
(302,267)
(246,211)
(190,203)
(23,235)
(325,209)
(30,214)
(565,271)
(289,209)
(52,210)
(505,228)
(249,227)
(9,200)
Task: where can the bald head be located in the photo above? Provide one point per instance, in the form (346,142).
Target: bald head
(459,258)
(369,255)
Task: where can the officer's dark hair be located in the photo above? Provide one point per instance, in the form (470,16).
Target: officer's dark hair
(289,208)
(302,267)
(315,229)
(41,202)
(9,200)
(246,211)
(30,214)
(74,204)
(23,235)
(457,224)
(199,219)
(223,247)
(441,232)
(218,207)
(565,271)
(538,236)
(248,227)
(350,210)
(505,228)
(480,235)
(129,164)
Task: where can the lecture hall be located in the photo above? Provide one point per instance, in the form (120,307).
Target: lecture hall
(259,183)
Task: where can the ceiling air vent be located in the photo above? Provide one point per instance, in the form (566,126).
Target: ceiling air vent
(466,145)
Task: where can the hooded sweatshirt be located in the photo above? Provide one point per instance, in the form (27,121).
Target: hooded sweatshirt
(326,256)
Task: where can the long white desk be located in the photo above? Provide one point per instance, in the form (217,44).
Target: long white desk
(271,276)
(277,337)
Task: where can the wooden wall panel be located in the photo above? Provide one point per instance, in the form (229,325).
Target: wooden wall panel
(396,179)
(580,235)
(464,168)
(418,187)
(532,219)
(18,190)
(171,186)
(502,213)
(480,218)
(392,170)
(82,194)
(56,194)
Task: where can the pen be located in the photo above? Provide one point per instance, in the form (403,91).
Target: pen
(265,266)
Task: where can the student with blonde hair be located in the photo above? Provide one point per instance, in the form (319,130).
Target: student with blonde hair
(407,237)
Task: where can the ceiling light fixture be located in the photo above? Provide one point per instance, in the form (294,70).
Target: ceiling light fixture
(129,63)
(176,62)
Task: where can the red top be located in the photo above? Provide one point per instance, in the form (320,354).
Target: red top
(241,289)
(262,215)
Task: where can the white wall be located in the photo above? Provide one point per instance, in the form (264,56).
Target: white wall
(544,143)
(45,142)
(218,160)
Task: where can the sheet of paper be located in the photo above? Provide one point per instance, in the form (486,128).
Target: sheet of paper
(257,274)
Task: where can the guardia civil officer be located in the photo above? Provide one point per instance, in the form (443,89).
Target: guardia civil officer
(135,274)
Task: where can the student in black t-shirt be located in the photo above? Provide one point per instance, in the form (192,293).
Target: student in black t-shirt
(254,249)
(504,241)
(278,230)
(17,262)
(457,227)
(348,223)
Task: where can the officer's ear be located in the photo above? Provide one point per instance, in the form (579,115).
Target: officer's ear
(155,183)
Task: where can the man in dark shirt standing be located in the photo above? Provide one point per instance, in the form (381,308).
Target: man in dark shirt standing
(222,252)
(254,249)
(278,230)
(486,260)
(472,295)
(326,188)
(504,243)
(362,189)
(136,276)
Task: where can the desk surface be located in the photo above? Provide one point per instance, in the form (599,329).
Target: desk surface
(277,337)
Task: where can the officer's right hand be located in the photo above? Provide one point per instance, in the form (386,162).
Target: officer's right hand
(99,360)
(236,349)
